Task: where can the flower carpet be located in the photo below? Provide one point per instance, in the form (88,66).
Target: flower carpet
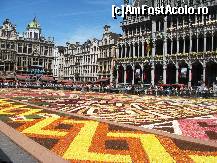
(81,140)
(195,118)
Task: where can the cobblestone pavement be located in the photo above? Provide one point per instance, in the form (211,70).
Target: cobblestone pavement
(10,152)
(195,118)
(79,139)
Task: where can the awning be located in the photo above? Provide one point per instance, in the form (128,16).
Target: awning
(165,85)
(22,77)
(102,80)
(47,78)
(178,85)
(8,81)
(65,82)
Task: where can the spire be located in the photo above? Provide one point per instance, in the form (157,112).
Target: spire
(35,19)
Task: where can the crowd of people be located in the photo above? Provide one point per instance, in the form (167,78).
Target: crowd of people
(158,90)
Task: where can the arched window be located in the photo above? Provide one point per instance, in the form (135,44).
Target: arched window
(106,42)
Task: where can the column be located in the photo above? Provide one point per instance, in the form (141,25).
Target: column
(190,38)
(177,73)
(164,73)
(204,71)
(143,49)
(171,51)
(142,74)
(130,51)
(212,41)
(152,73)
(153,26)
(117,76)
(125,50)
(153,49)
(125,75)
(122,52)
(204,42)
(148,44)
(165,24)
(111,71)
(133,81)
(134,50)
(177,45)
(190,75)
(165,49)
(165,38)
(117,52)
(197,42)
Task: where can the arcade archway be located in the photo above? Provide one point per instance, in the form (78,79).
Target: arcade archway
(211,72)
(159,47)
(158,73)
(129,74)
(171,73)
(183,73)
(120,74)
(138,74)
(147,74)
(197,73)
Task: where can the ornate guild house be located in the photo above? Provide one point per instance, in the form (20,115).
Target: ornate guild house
(169,49)
(27,55)
(91,61)
(107,54)
(80,61)
(8,37)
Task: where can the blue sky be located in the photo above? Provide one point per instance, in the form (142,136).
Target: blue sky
(65,20)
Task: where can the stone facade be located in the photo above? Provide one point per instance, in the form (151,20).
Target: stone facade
(56,63)
(25,54)
(61,60)
(8,38)
(107,54)
(169,49)
(80,61)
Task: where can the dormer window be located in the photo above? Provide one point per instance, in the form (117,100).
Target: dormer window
(35,36)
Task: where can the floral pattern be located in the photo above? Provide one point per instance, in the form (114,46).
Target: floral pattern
(169,114)
(81,140)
